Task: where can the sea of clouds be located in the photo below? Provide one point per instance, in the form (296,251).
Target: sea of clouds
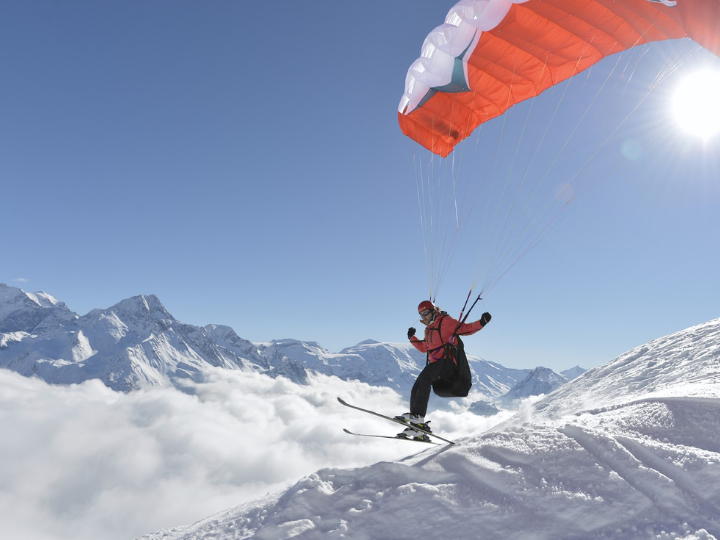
(84,462)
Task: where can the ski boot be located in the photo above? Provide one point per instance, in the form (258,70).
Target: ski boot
(414,420)
(414,434)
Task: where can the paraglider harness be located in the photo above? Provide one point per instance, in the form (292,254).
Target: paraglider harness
(459,381)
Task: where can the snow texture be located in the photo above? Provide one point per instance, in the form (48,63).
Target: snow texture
(629,450)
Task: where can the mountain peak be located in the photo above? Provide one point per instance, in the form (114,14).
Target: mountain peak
(142,301)
(40,298)
(144,305)
(540,380)
(573,373)
(543,373)
(24,312)
(359,346)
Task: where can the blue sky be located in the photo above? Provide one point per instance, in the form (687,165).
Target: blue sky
(242,161)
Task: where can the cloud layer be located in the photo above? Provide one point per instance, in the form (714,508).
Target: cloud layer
(84,462)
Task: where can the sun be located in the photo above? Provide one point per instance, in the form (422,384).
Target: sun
(697,103)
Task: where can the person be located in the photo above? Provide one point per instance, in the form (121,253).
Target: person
(439,332)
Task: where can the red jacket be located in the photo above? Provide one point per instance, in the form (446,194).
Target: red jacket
(438,334)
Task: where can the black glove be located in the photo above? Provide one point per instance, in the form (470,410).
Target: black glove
(411,332)
(485,318)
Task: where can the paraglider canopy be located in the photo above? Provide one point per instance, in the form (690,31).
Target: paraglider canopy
(492,54)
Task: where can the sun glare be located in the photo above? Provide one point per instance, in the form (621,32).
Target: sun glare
(697,103)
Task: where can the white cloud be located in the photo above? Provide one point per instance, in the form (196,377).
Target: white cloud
(84,462)
(20,280)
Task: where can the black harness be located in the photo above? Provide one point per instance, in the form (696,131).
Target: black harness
(450,349)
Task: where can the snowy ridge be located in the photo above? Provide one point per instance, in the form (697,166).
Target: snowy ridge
(42,299)
(379,364)
(395,365)
(643,463)
(682,364)
(28,312)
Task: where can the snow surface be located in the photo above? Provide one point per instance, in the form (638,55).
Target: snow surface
(43,299)
(630,450)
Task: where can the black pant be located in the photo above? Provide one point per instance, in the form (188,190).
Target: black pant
(420,394)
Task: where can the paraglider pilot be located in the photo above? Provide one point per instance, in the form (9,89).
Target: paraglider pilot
(440,332)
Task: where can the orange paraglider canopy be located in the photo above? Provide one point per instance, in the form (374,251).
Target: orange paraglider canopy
(537,44)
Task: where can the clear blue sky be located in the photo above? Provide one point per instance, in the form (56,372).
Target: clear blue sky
(242,161)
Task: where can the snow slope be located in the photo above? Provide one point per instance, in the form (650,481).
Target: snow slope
(630,450)
(684,364)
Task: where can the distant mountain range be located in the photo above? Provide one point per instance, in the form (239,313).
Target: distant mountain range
(138,344)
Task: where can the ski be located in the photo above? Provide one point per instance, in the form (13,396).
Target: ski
(387,437)
(393,420)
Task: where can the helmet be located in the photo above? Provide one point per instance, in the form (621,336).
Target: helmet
(426,304)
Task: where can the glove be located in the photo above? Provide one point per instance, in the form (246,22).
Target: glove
(485,318)
(411,332)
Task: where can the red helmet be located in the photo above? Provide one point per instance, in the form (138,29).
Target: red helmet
(426,304)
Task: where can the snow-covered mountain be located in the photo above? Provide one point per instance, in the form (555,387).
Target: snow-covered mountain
(137,343)
(380,364)
(483,408)
(134,344)
(629,450)
(395,365)
(573,373)
(539,381)
(27,312)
